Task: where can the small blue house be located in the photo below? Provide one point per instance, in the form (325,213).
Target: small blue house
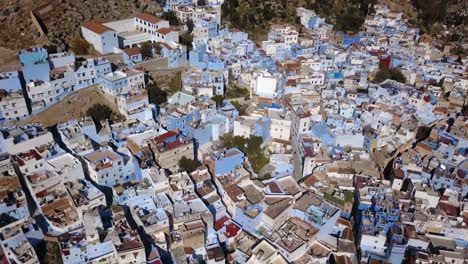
(346,40)
(35,64)
(262,129)
(228,161)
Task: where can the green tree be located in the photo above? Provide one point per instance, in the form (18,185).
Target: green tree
(250,146)
(258,162)
(171,17)
(254,144)
(157,48)
(186,39)
(99,112)
(156,95)
(231,141)
(236,92)
(188,165)
(218,100)
(146,50)
(201,2)
(190,25)
(79,46)
(240,108)
(383,73)
(397,75)
(175,83)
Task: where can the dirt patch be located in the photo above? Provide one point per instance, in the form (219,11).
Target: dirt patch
(73,106)
(8,59)
(169,81)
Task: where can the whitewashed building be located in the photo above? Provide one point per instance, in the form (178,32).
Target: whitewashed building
(103,38)
(12,106)
(122,81)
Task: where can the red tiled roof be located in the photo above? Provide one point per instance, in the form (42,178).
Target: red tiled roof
(274,188)
(233,191)
(149,18)
(175,144)
(311,180)
(96,27)
(164,31)
(188,250)
(132,51)
(385,61)
(399,173)
(164,136)
(232,230)
(220,223)
(443,110)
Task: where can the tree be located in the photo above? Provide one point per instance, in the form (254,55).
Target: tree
(99,112)
(240,108)
(79,46)
(175,83)
(190,25)
(188,165)
(157,48)
(250,146)
(186,39)
(236,92)
(50,48)
(201,2)
(383,73)
(254,144)
(395,74)
(171,17)
(218,100)
(231,141)
(156,95)
(146,50)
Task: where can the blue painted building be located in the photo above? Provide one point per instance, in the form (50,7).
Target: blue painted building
(35,64)
(201,135)
(321,130)
(347,40)
(225,162)
(262,129)
(174,119)
(10,81)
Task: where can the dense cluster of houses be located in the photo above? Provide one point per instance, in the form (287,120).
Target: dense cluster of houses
(356,171)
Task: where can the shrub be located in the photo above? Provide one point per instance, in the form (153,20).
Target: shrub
(156,95)
(171,17)
(188,165)
(99,112)
(218,99)
(146,50)
(79,46)
(250,146)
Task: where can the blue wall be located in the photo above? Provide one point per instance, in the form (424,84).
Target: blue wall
(182,123)
(225,165)
(262,128)
(35,64)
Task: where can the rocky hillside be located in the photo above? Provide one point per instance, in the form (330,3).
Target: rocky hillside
(59,19)
(446,19)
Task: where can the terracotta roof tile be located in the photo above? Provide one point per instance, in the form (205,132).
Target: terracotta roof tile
(149,18)
(164,31)
(132,51)
(96,27)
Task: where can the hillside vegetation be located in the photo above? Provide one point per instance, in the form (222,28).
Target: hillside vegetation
(255,16)
(61,19)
